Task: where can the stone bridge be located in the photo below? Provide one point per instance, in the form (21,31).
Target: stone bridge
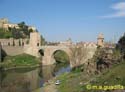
(34,47)
(49,51)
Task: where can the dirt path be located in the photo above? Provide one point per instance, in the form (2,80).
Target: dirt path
(49,87)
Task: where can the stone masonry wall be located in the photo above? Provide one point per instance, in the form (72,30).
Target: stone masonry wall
(13,50)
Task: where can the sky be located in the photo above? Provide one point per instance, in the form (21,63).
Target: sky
(59,20)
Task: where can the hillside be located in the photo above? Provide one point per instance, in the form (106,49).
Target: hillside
(78,81)
(112,77)
(20,30)
(4,34)
(16,31)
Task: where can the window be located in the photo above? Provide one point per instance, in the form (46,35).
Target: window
(37,44)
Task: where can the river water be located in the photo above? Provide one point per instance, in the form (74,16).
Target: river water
(28,79)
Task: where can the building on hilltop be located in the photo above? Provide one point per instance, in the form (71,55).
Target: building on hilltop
(5,24)
(32,28)
(3,21)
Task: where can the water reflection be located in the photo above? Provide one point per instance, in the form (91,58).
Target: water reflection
(27,80)
(47,72)
(13,81)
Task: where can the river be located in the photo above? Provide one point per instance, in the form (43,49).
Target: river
(29,79)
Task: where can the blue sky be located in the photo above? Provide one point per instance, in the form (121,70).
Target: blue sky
(58,20)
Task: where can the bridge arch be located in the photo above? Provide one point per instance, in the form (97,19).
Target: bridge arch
(41,52)
(65,56)
(49,51)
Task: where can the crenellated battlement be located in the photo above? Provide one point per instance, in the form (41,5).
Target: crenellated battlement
(14,42)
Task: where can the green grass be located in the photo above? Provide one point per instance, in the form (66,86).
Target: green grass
(5,34)
(19,60)
(111,77)
(116,75)
(70,82)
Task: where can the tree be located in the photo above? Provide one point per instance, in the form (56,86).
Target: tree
(16,33)
(121,46)
(78,54)
(23,29)
(21,24)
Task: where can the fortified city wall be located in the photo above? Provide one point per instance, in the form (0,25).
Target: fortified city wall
(14,47)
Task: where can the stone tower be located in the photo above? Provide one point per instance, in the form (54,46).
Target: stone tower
(100,40)
(3,21)
(34,44)
(35,39)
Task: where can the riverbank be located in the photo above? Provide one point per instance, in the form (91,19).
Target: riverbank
(77,81)
(19,61)
(21,67)
(69,82)
(48,86)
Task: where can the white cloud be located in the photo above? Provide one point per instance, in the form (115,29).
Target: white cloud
(119,11)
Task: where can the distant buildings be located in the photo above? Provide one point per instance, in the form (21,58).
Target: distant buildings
(87,44)
(66,43)
(5,24)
